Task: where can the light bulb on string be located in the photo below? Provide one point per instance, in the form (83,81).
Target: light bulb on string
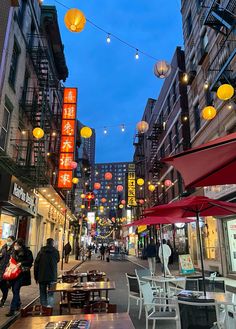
(206,85)
(108,38)
(123,128)
(137,54)
(105,130)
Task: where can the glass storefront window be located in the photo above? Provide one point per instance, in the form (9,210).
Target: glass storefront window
(7,227)
(231,231)
(210,238)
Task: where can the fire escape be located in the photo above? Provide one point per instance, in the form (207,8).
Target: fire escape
(41,107)
(221,16)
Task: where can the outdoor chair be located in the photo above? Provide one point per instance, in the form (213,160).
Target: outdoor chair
(212,285)
(159,308)
(192,284)
(76,299)
(200,313)
(36,310)
(100,307)
(134,292)
(99,296)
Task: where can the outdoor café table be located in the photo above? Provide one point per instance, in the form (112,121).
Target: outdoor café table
(165,281)
(98,321)
(84,286)
(78,275)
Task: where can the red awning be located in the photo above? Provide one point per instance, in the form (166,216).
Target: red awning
(213,163)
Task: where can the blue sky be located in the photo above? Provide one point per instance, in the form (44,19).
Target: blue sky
(113,87)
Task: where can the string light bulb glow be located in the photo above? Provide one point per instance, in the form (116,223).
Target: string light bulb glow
(136,54)
(123,128)
(105,130)
(206,85)
(108,38)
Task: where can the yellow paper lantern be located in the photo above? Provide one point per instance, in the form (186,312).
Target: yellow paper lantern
(142,127)
(75,180)
(75,20)
(140,181)
(86,132)
(38,132)
(82,206)
(121,206)
(208,113)
(225,92)
(151,188)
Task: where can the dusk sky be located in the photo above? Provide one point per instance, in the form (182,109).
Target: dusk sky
(113,87)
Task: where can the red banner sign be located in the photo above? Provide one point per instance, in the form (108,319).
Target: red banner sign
(67,148)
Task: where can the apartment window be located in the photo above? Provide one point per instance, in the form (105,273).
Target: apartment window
(174,92)
(197,119)
(176,133)
(170,141)
(168,104)
(192,63)
(4,128)
(204,40)
(162,151)
(189,24)
(13,65)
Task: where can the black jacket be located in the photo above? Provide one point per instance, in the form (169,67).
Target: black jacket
(25,257)
(5,254)
(67,248)
(45,265)
(151,251)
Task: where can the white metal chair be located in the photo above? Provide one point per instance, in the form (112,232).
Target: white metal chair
(134,292)
(159,308)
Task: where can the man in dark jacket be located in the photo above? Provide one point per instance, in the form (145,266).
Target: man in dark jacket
(151,252)
(67,251)
(5,254)
(45,271)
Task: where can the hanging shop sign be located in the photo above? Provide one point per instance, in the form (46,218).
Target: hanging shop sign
(67,148)
(131,193)
(142,228)
(186,264)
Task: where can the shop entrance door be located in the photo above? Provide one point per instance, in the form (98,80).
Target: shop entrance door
(230,244)
(22,228)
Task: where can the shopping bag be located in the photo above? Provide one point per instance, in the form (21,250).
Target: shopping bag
(12,271)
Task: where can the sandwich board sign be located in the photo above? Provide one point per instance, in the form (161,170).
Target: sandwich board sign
(186,264)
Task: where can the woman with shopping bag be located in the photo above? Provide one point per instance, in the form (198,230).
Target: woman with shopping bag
(18,273)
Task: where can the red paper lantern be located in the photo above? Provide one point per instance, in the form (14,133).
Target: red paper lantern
(167,182)
(123,202)
(97,186)
(108,176)
(73,164)
(103,200)
(119,188)
(141,201)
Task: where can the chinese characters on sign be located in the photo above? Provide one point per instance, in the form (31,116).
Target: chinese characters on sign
(67,138)
(131,186)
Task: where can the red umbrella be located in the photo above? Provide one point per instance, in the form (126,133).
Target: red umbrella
(210,164)
(194,205)
(158,220)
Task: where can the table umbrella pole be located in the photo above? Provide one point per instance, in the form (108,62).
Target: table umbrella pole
(201,251)
(161,226)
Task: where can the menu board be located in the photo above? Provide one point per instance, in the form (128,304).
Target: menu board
(186,264)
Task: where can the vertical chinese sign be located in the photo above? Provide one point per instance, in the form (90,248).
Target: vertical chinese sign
(131,193)
(68,129)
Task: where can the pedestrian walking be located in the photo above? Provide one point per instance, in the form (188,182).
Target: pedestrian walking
(24,260)
(102,251)
(171,258)
(151,252)
(67,251)
(5,254)
(45,272)
(164,254)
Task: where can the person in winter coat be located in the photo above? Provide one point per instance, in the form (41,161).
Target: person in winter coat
(151,252)
(164,254)
(102,251)
(45,271)
(67,251)
(24,259)
(5,254)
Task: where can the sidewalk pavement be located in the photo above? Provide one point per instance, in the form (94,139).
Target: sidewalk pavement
(29,293)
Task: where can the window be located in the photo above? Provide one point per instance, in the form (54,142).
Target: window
(170,141)
(174,92)
(162,151)
(4,128)
(204,40)
(197,120)
(189,24)
(176,133)
(168,104)
(13,65)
